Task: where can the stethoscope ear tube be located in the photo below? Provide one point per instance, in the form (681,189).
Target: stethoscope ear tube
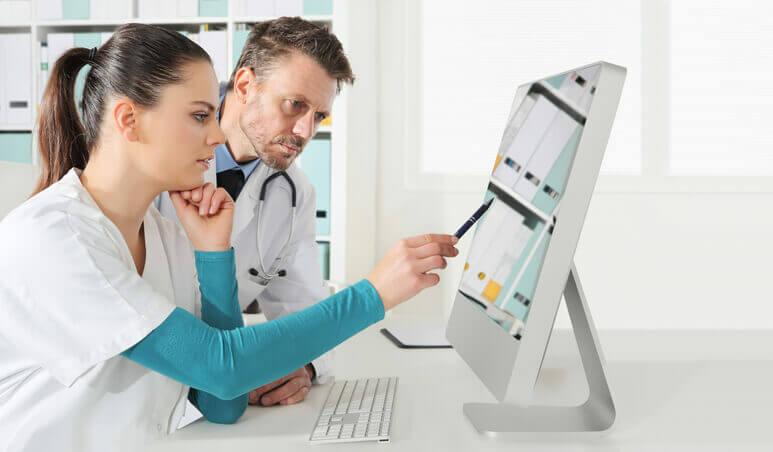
(274,176)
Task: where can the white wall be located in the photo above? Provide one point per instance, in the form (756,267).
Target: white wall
(17,181)
(647,260)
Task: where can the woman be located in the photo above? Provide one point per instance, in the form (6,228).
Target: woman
(100,338)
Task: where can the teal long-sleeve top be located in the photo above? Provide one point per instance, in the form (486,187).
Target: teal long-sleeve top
(222,360)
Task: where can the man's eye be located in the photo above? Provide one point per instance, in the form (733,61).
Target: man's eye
(295,107)
(319,117)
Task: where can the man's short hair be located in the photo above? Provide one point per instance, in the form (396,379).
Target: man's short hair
(271,40)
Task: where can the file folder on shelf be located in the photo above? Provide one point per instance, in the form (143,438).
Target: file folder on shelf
(315,163)
(525,142)
(75,9)
(16,59)
(16,147)
(240,37)
(324,259)
(110,9)
(213,8)
(317,7)
(288,8)
(215,43)
(49,9)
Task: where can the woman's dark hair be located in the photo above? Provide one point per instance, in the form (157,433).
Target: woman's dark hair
(138,61)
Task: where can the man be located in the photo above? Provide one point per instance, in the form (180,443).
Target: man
(283,86)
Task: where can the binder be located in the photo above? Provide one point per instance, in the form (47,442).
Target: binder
(315,163)
(213,8)
(110,9)
(49,9)
(16,147)
(15,11)
(43,71)
(187,8)
(214,42)
(58,43)
(259,8)
(3,113)
(16,76)
(547,198)
(288,8)
(486,250)
(324,259)
(562,127)
(317,7)
(526,141)
(75,9)
(520,111)
(240,37)
(155,9)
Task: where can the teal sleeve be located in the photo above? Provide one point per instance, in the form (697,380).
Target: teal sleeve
(220,309)
(229,363)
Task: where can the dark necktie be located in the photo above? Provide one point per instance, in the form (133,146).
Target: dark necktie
(232,180)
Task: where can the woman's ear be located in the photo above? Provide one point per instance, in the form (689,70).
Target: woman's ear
(125,118)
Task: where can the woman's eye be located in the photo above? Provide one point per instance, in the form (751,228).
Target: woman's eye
(201,117)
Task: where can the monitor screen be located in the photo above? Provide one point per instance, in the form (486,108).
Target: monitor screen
(525,190)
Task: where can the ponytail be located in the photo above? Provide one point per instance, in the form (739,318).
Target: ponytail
(61,139)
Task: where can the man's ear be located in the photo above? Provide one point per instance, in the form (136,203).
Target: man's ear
(243,78)
(125,114)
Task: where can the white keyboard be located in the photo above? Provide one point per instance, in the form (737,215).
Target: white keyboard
(356,410)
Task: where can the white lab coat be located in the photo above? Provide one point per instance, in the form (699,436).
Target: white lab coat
(71,302)
(303,285)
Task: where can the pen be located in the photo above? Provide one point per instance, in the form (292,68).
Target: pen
(475,217)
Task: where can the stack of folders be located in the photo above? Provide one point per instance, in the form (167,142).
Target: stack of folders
(15,76)
(213,41)
(278,8)
(169,9)
(83,9)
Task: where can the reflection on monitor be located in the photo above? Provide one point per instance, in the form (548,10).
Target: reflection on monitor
(532,165)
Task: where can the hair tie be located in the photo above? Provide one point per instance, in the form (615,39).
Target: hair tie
(92,54)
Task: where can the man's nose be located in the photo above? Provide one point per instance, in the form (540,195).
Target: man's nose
(304,126)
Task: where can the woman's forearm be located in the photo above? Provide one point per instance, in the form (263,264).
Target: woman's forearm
(220,309)
(229,363)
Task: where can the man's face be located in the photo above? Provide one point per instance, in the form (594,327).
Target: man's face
(283,111)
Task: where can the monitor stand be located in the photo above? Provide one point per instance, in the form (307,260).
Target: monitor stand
(596,414)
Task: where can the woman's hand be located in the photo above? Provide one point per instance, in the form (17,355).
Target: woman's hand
(206,214)
(404,271)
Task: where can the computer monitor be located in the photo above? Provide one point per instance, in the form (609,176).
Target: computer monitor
(520,259)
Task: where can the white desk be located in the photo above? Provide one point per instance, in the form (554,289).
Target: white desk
(680,391)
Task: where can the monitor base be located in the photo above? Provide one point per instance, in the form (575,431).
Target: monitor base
(596,414)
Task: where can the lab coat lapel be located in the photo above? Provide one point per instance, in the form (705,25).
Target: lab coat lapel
(247,202)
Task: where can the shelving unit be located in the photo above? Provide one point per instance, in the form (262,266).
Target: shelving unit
(234,24)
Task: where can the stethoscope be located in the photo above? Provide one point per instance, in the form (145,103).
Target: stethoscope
(260,275)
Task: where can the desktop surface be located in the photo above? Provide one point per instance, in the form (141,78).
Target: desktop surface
(674,391)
